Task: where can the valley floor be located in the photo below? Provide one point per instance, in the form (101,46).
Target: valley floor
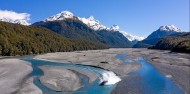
(173,65)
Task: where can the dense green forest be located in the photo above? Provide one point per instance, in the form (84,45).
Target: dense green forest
(24,40)
(180,43)
(75,29)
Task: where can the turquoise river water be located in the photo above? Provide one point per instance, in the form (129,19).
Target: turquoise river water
(153,81)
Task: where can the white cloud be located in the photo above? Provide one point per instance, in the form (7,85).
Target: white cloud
(14,17)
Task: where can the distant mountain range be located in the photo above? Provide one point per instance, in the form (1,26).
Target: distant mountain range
(154,37)
(91,22)
(80,30)
(71,26)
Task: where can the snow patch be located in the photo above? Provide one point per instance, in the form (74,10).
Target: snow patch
(115,28)
(170,28)
(60,16)
(92,23)
(131,37)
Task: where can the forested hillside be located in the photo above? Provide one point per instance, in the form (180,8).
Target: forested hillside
(23,40)
(70,28)
(180,43)
(73,28)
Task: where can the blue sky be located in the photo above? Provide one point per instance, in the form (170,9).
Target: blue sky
(137,17)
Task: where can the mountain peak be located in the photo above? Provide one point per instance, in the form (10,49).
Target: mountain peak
(131,37)
(89,21)
(92,23)
(60,16)
(115,28)
(169,28)
(91,18)
(67,14)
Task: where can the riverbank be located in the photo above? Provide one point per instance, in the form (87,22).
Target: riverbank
(13,77)
(175,66)
(105,59)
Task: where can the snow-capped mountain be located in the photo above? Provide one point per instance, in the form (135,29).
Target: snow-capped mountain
(17,21)
(170,28)
(96,25)
(60,16)
(131,37)
(93,23)
(156,36)
(90,21)
(166,30)
(114,28)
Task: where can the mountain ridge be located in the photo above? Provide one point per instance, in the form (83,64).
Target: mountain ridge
(90,22)
(132,38)
(76,29)
(155,37)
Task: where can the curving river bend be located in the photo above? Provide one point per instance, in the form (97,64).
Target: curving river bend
(89,88)
(151,81)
